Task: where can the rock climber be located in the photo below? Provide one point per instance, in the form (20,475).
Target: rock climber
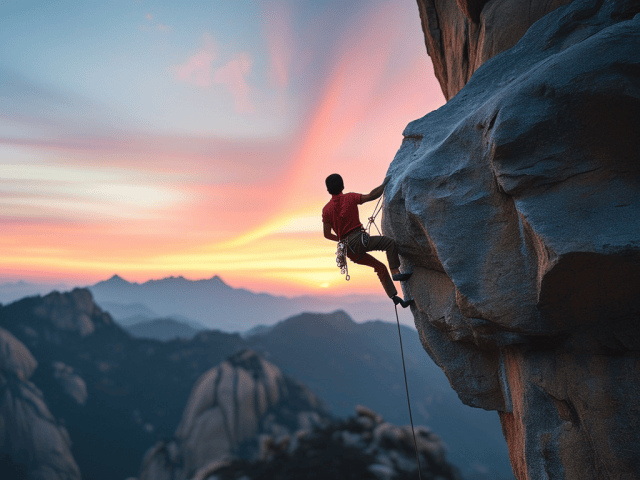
(341,215)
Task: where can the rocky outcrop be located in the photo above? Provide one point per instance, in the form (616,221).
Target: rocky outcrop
(71,382)
(363,447)
(74,311)
(234,410)
(516,205)
(31,441)
(461,35)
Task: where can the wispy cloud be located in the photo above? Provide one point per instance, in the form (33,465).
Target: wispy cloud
(151,25)
(197,69)
(233,76)
(82,192)
(200,70)
(47,111)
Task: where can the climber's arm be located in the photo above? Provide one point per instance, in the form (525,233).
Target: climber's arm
(327,233)
(375,193)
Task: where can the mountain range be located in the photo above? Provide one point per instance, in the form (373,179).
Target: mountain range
(135,389)
(214,304)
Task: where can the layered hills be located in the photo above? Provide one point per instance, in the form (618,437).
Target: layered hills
(214,304)
(117,395)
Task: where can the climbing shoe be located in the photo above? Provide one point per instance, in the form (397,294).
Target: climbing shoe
(404,304)
(401,277)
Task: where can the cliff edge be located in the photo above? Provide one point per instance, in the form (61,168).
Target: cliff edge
(517,206)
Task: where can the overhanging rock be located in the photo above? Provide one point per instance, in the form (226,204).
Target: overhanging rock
(517,205)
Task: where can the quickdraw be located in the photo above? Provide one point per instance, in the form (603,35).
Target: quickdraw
(341,258)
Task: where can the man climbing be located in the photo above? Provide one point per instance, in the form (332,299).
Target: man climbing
(341,214)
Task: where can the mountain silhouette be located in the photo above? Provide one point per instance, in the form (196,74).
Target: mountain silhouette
(215,304)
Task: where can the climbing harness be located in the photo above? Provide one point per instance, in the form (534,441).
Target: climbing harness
(406,386)
(365,236)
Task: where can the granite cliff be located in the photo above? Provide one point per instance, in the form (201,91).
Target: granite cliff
(517,206)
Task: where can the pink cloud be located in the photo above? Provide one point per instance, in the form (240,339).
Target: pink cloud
(232,75)
(197,69)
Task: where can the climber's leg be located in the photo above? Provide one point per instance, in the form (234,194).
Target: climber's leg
(388,245)
(379,267)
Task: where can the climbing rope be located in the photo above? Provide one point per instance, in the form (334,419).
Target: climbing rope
(406,386)
(372,218)
(341,260)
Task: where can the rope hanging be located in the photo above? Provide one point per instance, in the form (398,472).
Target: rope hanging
(406,386)
(341,260)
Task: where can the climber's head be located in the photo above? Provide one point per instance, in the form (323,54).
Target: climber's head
(334,183)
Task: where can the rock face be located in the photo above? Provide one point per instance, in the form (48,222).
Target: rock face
(73,311)
(229,406)
(517,205)
(32,443)
(73,384)
(461,35)
(363,447)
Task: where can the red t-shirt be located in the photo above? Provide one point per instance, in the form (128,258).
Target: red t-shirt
(342,213)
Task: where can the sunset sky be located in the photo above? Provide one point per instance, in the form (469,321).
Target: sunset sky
(150,138)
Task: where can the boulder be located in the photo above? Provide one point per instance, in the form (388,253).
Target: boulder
(349,449)
(517,207)
(29,435)
(15,359)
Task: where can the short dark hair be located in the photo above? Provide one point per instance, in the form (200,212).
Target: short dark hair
(334,184)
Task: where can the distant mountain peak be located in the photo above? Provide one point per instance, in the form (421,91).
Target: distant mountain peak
(218,281)
(318,323)
(116,279)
